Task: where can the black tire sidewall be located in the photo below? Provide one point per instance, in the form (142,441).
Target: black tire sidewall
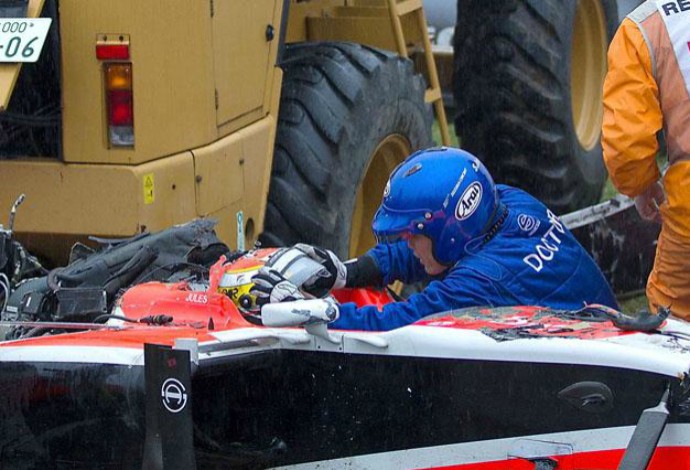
(514,100)
(389,99)
(376,115)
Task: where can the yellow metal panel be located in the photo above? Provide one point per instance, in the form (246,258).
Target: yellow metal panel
(374,31)
(233,173)
(360,11)
(299,12)
(408,6)
(240,122)
(103,200)
(241,54)
(172,201)
(257,151)
(274,72)
(373,28)
(172,64)
(219,174)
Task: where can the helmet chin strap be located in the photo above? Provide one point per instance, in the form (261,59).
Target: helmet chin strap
(499,216)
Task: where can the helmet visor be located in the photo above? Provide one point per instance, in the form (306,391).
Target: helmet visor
(391,238)
(391,226)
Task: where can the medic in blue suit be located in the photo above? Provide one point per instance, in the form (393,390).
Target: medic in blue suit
(443,220)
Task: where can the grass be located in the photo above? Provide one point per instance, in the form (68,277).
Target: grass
(634,303)
(628,303)
(609,191)
(436,134)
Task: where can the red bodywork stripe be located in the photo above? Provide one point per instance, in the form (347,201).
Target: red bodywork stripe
(665,458)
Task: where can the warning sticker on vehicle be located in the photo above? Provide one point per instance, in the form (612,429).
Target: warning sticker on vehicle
(148,188)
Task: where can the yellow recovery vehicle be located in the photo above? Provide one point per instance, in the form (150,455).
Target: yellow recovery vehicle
(280,118)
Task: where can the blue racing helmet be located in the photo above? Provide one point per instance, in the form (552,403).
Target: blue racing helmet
(444,193)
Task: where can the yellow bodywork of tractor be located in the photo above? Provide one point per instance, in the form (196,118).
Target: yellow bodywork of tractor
(205,97)
(282,119)
(205,94)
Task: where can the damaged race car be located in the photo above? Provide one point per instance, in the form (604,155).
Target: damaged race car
(187,373)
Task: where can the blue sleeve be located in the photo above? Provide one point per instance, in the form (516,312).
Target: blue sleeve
(459,290)
(397,263)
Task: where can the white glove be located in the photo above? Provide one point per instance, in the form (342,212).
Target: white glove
(334,276)
(271,286)
(647,203)
(295,265)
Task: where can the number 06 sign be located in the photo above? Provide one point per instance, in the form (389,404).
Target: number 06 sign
(21,39)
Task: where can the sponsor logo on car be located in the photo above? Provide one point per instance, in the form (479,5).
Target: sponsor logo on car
(173,395)
(196,298)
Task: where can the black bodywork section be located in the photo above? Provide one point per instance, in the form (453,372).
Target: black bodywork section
(60,415)
(169,440)
(280,407)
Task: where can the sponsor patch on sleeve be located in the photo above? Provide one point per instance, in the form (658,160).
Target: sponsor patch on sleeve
(528,223)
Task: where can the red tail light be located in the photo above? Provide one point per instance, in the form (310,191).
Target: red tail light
(112,51)
(120,103)
(120,111)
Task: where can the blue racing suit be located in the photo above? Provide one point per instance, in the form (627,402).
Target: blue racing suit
(531,260)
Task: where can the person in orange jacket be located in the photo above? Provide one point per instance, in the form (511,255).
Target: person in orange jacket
(647,89)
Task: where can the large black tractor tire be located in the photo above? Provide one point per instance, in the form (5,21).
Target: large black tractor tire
(348,115)
(528,88)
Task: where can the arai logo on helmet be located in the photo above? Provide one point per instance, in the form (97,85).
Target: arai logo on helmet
(469,201)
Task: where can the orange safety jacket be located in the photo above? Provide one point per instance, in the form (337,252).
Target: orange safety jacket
(647,88)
